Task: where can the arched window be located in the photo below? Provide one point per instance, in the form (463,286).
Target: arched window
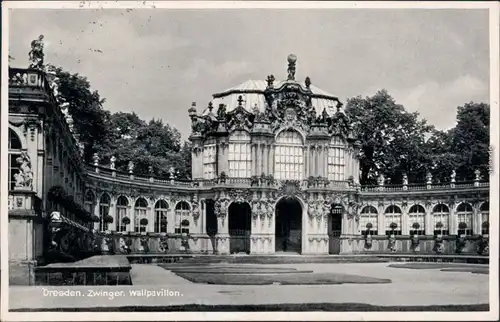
(336,160)
(416,220)
(368,221)
(209,161)
(485,218)
(89,201)
(140,213)
(122,213)
(441,218)
(161,211)
(15,147)
(464,219)
(182,213)
(289,156)
(240,156)
(104,203)
(393,220)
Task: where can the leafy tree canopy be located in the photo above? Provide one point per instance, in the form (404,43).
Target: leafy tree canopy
(395,141)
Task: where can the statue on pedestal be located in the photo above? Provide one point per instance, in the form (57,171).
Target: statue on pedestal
(36,54)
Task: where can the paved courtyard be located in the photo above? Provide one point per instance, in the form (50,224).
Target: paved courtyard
(155,286)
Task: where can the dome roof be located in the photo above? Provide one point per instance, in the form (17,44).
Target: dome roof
(252,92)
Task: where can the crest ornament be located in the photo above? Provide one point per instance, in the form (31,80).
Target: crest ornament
(290,189)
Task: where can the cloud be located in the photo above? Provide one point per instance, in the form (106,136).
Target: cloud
(437,102)
(156,62)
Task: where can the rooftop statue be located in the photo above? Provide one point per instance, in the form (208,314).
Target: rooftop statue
(292,59)
(36,54)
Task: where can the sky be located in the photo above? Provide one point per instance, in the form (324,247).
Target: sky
(155,62)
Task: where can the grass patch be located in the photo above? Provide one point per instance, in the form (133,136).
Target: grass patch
(437,266)
(236,270)
(283,279)
(474,270)
(330,307)
(254,259)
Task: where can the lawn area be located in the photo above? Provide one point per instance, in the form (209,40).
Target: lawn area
(234,270)
(331,307)
(445,267)
(283,279)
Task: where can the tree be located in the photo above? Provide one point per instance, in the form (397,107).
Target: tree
(471,140)
(392,140)
(85,106)
(147,144)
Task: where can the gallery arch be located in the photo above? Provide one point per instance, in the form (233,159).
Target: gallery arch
(161,215)
(122,215)
(182,218)
(288,227)
(104,204)
(240,227)
(416,220)
(335,228)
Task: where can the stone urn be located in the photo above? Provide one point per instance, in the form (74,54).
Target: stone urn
(391,245)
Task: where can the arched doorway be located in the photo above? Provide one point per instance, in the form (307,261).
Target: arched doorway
(211,223)
(335,228)
(240,227)
(288,230)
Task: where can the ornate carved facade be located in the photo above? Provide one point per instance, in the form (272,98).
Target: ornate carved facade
(275,168)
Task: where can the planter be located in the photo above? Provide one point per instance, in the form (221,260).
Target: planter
(438,244)
(460,244)
(415,242)
(368,241)
(484,245)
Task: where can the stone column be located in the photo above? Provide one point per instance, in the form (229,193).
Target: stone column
(322,161)
(476,219)
(253,148)
(222,236)
(131,211)
(96,212)
(404,222)
(452,221)
(307,158)
(112,213)
(265,158)
(381,219)
(429,225)
(348,163)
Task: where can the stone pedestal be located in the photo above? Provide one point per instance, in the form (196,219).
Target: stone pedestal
(222,244)
(25,236)
(262,244)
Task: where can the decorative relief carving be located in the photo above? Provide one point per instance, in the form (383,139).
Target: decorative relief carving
(240,195)
(24,178)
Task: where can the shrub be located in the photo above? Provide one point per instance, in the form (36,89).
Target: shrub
(143,221)
(416,226)
(462,225)
(439,225)
(95,218)
(108,219)
(369,226)
(185,222)
(126,220)
(393,225)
